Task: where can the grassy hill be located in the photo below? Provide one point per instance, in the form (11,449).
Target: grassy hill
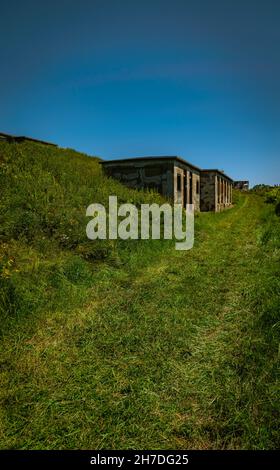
(131,344)
(45,256)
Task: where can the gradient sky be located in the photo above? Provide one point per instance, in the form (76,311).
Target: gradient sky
(199,79)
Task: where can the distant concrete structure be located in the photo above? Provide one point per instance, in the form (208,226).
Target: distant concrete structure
(242,185)
(22,138)
(171,176)
(216,190)
(174,178)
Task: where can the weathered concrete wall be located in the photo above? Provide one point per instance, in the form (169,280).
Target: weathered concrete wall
(186,185)
(208,192)
(157,175)
(179,189)
(196,190)
(216,191)
(223,193)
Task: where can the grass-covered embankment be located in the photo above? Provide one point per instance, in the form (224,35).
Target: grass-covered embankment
(132,344)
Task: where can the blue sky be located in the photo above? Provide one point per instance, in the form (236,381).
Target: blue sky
(199,79)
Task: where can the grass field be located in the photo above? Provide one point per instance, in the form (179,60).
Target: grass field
(132,344)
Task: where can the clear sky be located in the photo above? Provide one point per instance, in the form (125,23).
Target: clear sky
(195,78)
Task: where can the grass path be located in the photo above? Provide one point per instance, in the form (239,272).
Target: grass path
(155,358)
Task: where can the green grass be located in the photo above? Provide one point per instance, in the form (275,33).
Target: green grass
(132,344)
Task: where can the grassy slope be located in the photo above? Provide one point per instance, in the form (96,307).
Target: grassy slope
(133,345)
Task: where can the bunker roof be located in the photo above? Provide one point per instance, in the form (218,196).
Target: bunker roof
(150,158)
(21,138)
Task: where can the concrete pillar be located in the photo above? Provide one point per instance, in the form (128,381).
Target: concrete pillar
(227,193)
(216,191)
(188,186)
